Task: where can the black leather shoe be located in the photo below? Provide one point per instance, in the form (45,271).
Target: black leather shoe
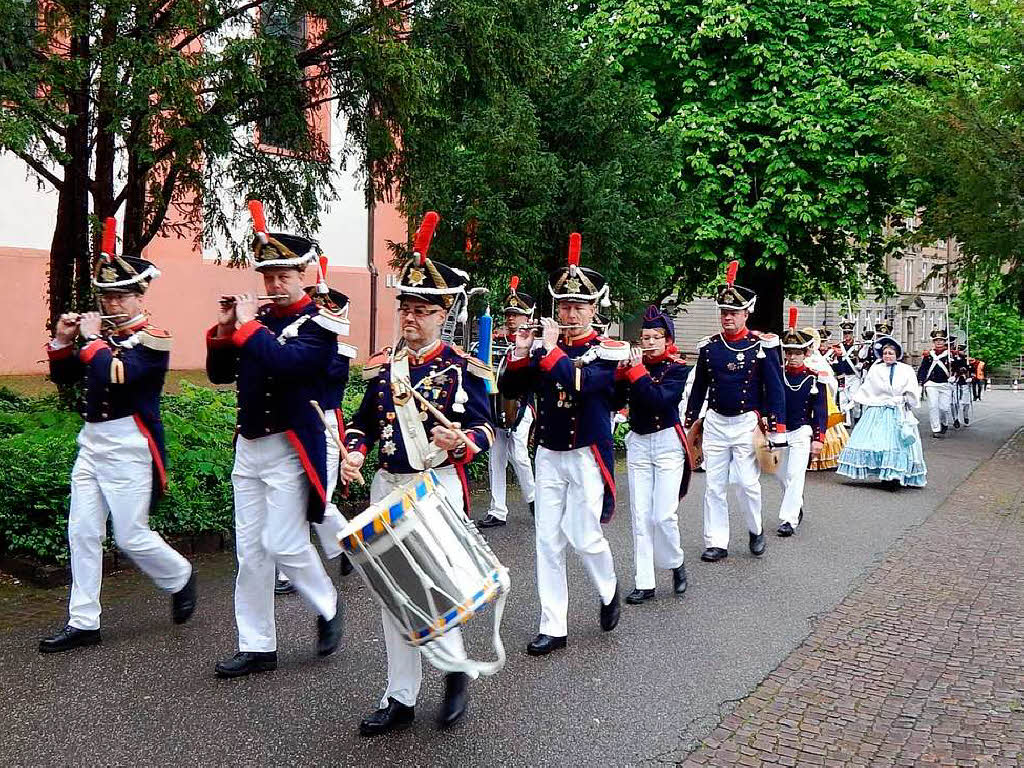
(490,522)
(542,645)
(533,511)
(956,423)
(784,530)
(945,428)
(679,579)
(328,633)
(456,697)
(714,554)
(967,421)
(345,566)
(801,518)
(183,602)
(937,435)
(610,613)
(638,596)
(392,717)
(246,662)
(283,587)
(757,544)
(68,638)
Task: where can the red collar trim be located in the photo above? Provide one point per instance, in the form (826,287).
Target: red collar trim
(293,308)
(433,353)
(583,339)
(801,369)
(658,358)
(737,336)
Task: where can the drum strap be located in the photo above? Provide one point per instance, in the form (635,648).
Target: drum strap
(414,433)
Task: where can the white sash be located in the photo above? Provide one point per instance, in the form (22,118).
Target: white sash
(937,361)
(414,434)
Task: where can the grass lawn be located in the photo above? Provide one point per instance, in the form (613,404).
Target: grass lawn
(34,386)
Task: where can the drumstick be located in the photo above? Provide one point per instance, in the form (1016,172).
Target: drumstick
(444,420)
(341,446)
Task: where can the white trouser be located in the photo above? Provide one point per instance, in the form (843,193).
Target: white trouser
(405,669)
(729,443)
(792,472)
(655,463)
(271,490)
(570,492)
(846,403)
(510,447)
(327,531)
(940,404)
(113,475)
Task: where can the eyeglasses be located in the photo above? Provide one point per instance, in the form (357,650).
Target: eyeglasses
(653,337)
(418,312)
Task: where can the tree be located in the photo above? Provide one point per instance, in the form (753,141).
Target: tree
(994,326)
(533,136)
(772,109)
(958,130)
(154,107)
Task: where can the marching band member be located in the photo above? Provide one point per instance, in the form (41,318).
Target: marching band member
(934,374)
(806,415)
(740,374)
(571,371)
(657,455)
(511,435)
(119,471)
(280,356)
(960,379)
(847,369)
(411,440)
(333,309)
(886,445)
(835,436)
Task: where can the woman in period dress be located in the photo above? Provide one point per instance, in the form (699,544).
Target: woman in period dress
(886,445)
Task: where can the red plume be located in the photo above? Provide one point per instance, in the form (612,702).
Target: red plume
(323,267)
(730,273)
(109,237)
(514,283)
(259,221)
(575,245)
(792,317)
(421,244)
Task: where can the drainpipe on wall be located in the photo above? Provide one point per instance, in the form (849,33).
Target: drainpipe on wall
(372,269)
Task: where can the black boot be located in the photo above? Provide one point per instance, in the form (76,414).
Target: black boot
(638,596)
(610,613)
(785,530)
(956,423)
(679,579)
(183,602)
(456,697)
(543,644)
(68,638)
(392,717)
(328,632)
(714,554)
(490,522)
(757,544)
(246,662)
(345,566)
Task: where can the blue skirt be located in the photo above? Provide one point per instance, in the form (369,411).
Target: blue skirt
(877,452)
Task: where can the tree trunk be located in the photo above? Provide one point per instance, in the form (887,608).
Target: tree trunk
(770,285)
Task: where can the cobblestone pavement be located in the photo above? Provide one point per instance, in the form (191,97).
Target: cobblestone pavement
(922,665)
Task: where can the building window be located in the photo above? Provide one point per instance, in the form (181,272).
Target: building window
(287,125)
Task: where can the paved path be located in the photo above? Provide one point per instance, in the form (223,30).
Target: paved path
(648,692)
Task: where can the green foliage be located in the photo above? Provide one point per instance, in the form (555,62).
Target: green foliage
(772,110)
(530,136)
(958,128)
(994,326)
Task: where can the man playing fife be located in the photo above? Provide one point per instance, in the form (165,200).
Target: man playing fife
(740,374)
(511,436)
(572,373)
(280,356)
(413,439)
(119,471)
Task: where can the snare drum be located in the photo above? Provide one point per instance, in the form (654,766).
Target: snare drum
(429,568)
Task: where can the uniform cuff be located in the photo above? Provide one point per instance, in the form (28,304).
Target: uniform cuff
(780,427)
(59,353)
(213,341)
(88,352)
(551,359)
(245,332)
(636,372)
